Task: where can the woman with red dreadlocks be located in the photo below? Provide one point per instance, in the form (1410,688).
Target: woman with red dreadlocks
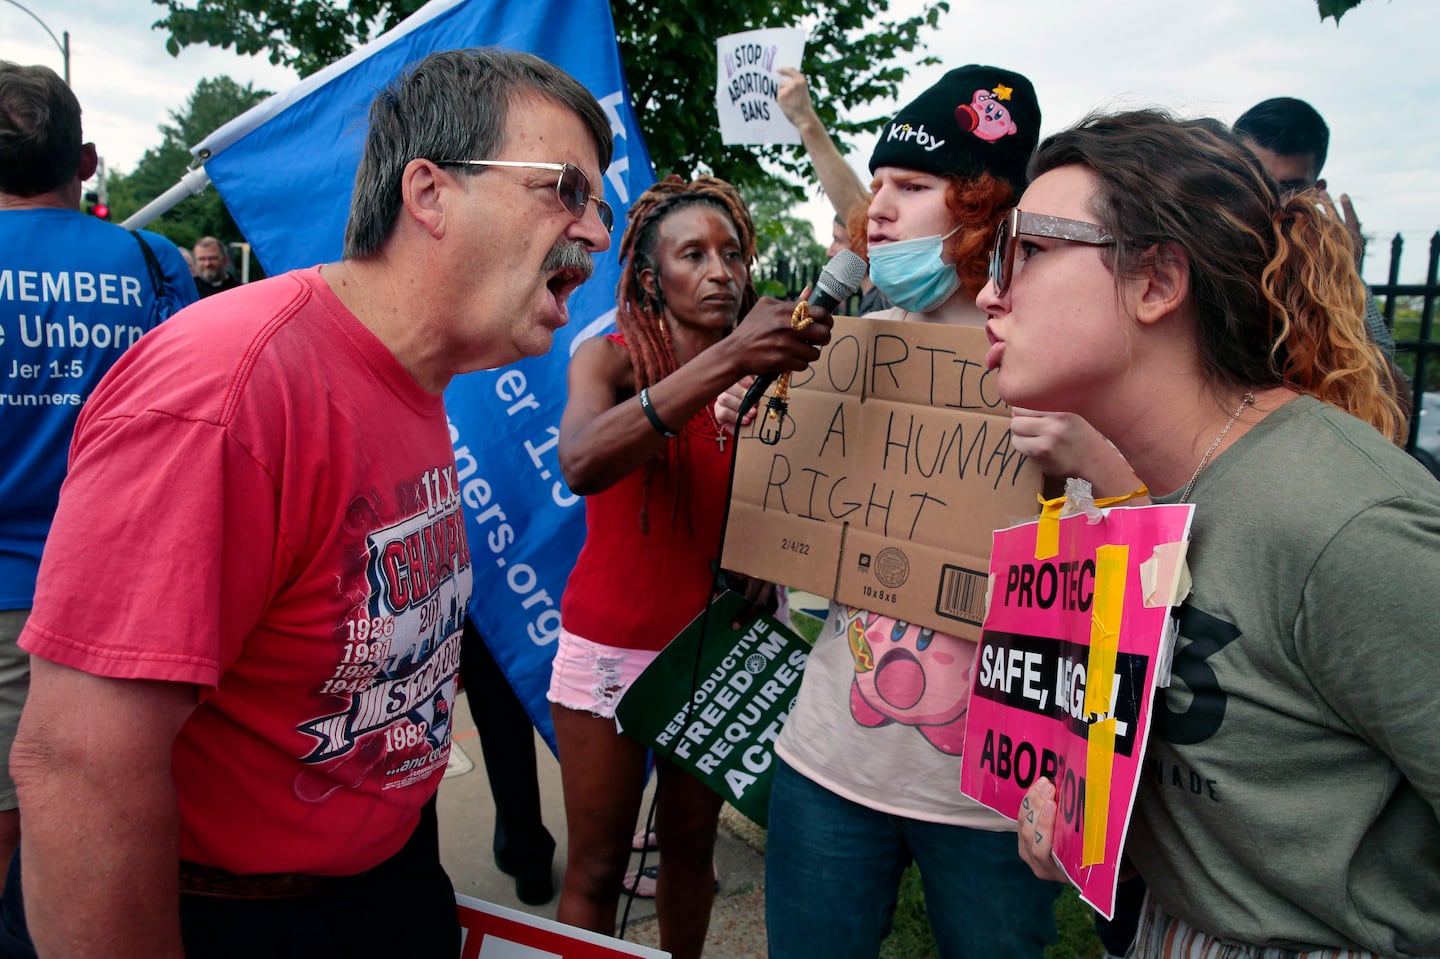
(639,441)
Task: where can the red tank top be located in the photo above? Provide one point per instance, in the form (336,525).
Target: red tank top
(638,590)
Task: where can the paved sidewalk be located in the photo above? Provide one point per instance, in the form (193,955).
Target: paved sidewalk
(737,927)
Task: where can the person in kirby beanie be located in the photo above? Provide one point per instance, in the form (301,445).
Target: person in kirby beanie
(967,139)
(867,771)
(975,119)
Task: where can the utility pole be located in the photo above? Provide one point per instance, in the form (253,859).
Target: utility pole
(64,47)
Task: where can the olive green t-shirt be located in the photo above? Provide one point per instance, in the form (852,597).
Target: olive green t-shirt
(1291,794)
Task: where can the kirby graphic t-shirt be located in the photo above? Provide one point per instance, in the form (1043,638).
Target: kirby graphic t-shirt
(880,719)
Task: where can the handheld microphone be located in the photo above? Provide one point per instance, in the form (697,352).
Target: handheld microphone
(837,282)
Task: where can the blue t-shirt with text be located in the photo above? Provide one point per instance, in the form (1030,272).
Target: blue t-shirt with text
(75,293)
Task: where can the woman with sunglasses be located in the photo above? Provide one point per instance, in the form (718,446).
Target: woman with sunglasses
(1214,330)
(639,441)
(857,798)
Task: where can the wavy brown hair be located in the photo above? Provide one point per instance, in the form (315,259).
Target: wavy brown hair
(1273,286)
(979,204)
(640,312)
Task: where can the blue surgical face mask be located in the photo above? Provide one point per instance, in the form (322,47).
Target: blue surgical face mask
(912,274)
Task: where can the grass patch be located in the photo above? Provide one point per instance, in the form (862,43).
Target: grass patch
(807,626)
(1075,928)
(911,938)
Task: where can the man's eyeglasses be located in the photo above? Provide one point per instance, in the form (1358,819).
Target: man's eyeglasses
(1018,224)
(573,186)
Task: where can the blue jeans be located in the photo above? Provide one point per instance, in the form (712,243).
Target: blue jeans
(833,867)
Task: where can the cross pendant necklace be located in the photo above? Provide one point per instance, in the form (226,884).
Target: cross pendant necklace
(719,436)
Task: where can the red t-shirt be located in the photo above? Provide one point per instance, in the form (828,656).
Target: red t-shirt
(262,502)
(638,590)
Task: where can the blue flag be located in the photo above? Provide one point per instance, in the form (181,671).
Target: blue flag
(286,170)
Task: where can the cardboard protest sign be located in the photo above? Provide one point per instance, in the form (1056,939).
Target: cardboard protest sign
(488,931)
(894,466)
(747,80)
(1065,675)
(714,707)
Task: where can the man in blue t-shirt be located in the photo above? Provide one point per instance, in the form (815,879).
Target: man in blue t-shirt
(75,292)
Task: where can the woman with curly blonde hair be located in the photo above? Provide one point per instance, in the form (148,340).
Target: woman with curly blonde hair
(1211,326)
(639,441)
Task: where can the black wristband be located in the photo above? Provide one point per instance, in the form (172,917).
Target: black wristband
(653,416)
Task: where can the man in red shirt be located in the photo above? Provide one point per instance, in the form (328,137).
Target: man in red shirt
(247,628)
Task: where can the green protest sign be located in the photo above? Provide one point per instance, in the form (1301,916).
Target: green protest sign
(744,684)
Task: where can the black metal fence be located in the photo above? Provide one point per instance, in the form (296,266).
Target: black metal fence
(1416,349)
(793,278)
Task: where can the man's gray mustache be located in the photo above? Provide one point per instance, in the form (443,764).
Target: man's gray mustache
(573,255)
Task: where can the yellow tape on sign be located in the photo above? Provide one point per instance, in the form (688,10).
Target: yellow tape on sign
(1098,759)
(1111,563)
(1047,528)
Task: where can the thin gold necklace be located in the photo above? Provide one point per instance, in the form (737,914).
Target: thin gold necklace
(1204,460)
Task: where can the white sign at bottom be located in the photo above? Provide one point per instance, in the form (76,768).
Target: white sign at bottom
(488,931)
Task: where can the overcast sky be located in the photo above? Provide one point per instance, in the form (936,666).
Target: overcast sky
(1374,78)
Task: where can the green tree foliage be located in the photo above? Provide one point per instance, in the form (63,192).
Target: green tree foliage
(214,103)
(786,244)
(1336,8)
(856,54)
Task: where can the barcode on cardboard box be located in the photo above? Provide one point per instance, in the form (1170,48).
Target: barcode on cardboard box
(962,594)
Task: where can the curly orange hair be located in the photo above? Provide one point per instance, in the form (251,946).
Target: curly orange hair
(979,204)
(1320,343)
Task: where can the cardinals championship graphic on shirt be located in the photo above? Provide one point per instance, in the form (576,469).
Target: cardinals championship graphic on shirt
(400,656)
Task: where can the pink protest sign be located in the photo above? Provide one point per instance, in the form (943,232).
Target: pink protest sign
(1065,675)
